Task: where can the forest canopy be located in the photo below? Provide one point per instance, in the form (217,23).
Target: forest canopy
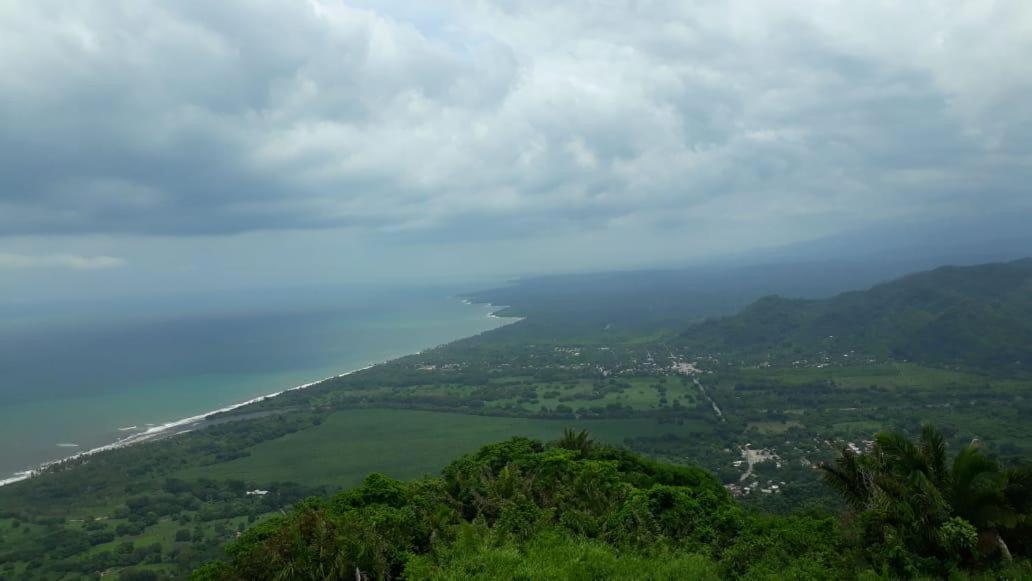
(577,509)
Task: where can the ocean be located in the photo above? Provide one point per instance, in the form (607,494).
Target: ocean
(76,376)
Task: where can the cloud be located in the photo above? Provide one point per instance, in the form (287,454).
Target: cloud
(473,120)
(11,261)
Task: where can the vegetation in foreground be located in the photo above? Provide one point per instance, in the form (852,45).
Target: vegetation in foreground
(575,509)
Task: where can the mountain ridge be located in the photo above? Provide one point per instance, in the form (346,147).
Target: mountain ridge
(968,316)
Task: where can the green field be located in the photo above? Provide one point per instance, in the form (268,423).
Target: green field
(403,443)
(515,394)
(894,375)
(775,427)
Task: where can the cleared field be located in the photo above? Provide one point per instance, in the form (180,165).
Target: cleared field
(403,444)
(775,427)
(516,393)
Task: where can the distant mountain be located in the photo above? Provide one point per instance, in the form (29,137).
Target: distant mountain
(630,303)
(973,316)
(913,245)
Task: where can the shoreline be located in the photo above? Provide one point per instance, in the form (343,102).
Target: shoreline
(155,432)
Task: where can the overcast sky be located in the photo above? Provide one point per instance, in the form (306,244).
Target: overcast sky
(193,144)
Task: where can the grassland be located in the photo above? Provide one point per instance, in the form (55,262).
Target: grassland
(349,444)
(583,392)
(894,375)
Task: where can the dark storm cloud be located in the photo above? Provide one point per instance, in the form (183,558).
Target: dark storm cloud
(481,120)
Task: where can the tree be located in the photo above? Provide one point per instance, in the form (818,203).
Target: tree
(977,495)
(908,497)
(577,441)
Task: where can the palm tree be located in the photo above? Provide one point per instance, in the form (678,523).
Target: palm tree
(576,441)
(912,487)
(863,478)
(978,495)
(852,475)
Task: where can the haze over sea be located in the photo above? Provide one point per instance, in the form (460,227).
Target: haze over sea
(74,376)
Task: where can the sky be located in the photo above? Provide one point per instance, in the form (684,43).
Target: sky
(192,146)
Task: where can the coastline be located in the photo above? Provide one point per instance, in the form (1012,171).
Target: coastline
(162,430)
(155,432)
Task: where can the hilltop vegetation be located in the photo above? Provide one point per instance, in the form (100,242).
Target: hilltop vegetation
(977,317)
(574,509)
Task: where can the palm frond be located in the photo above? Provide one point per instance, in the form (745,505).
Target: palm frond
(578,441)
(933,448)
(900,455)
(977,493)
(851,477)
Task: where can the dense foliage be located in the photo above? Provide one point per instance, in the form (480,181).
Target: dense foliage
(575,509)
(919,513)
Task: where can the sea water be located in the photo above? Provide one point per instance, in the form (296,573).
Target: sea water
(75,377)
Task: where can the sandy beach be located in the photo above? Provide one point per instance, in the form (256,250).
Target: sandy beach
(169,429)
(155,432)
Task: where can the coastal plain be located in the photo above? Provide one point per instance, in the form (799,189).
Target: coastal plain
(761,424)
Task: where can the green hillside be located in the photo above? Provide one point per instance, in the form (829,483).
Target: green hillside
(976,317)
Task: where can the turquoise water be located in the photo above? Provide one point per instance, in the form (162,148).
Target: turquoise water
(80,376)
